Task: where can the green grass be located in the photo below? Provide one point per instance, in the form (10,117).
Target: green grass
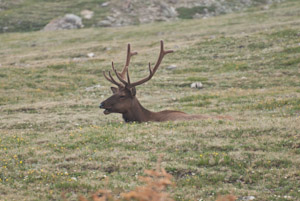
(55,139)
(188,13)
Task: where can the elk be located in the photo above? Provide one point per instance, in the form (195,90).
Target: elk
(124,99)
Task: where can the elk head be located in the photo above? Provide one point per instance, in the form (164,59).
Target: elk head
(124,98)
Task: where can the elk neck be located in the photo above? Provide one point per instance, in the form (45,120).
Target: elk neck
(138,113)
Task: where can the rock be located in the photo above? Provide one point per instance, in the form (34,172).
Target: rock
(130,12)
(87,14)
(110,18)
(197,85)
(247,198)
(5,29)
(173,1)
(69,21)
(171,67)
(93,87)
(167,11)
(115,21)
(111,21)
(197,16)
(104,4)
(91,54)
(105,23)
(243,78)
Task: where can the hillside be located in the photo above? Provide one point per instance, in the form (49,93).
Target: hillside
(54,139)
(32,15)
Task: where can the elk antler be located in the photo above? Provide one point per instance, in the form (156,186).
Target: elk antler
(121,76)
(129,55)
(124,70)
(111,79)
(152,72)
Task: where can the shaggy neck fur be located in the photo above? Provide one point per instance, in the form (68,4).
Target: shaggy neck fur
(140,114)
(137,113)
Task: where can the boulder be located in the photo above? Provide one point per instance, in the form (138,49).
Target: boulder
(87,14)
(197,85)
(105,4)
(167,10)
(69,21)
(105,23)
(90,55)
(171,67)
(247,198)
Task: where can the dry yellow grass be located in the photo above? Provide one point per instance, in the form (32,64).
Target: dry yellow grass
(156,183)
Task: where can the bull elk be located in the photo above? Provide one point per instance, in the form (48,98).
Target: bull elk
(124,99)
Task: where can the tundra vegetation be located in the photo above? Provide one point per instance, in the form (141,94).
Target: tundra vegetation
(55,139)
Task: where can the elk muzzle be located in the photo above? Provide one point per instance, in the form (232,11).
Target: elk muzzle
(106,110)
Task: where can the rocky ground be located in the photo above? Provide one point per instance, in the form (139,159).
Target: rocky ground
(31,15)
(132,12)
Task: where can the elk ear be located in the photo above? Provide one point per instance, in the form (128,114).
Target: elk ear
(132,91)
(114,89)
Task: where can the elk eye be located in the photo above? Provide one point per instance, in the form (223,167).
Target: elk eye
(122,97)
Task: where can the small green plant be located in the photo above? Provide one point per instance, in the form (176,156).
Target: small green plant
(188,13)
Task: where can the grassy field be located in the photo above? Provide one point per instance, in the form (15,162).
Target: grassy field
(55,139)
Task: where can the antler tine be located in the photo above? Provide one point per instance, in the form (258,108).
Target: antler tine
(129,55)
(161,55)
(121,75)
(111,79)
(152,72)
(117,74)
(128,78)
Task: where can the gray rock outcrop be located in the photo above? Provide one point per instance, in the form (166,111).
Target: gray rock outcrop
(69,21)
(131,12)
